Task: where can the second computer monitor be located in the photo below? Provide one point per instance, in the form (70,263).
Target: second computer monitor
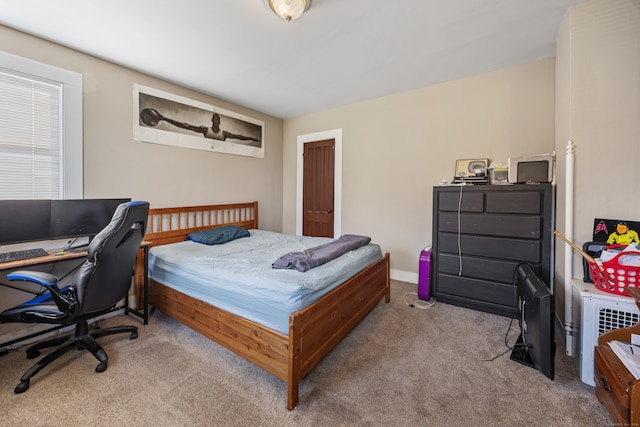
(85,217)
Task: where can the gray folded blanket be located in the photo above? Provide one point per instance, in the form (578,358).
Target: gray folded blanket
(313,257)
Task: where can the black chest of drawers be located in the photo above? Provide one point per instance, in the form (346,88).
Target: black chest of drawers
(480,235)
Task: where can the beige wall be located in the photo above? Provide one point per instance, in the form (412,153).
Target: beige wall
(117,166)
(396,148)
(598,108)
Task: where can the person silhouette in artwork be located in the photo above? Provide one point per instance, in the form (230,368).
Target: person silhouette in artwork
(152,117)
(622,235)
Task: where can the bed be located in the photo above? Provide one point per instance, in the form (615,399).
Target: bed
(288,352)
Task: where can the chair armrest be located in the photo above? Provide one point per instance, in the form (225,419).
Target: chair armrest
(44,279)
(65,300)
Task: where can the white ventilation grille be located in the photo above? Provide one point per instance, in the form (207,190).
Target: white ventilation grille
(609,319)
(600,314)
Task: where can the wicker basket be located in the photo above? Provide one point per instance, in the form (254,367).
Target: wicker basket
(615,277)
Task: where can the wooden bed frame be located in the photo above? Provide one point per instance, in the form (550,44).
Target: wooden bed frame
(313,331)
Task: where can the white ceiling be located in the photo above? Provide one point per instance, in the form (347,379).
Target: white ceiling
(339,52)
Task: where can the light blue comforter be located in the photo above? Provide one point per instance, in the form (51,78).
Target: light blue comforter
(238,276)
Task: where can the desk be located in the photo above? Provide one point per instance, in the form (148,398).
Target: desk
(55,256)
(52,257)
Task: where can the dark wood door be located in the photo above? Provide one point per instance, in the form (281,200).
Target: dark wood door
(318,188)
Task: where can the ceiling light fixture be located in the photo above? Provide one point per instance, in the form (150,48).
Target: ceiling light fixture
(289,10)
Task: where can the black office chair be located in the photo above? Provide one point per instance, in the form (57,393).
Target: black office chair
(100,283)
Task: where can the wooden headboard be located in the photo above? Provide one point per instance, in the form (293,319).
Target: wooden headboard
(170,225)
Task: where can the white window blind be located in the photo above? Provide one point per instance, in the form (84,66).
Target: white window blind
(40,130)
(30,137)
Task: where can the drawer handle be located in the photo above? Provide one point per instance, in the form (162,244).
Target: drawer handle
(605,383)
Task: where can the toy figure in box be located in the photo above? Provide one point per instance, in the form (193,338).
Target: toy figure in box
(608,232)
(615,231)
(622,235)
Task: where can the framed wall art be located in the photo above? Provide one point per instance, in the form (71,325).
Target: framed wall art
(163,118)
(615,231)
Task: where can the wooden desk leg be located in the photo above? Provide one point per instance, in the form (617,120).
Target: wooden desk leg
(145,285)
(142,281)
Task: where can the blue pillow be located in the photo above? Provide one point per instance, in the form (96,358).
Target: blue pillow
(218,235)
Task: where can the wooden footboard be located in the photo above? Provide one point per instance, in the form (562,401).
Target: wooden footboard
(261,346)
(313,331)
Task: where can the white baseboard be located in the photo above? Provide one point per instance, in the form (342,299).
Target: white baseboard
(404,276)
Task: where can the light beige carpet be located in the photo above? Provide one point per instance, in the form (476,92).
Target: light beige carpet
(400,366)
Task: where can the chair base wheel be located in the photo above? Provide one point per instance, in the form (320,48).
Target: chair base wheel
(22,387)
(82,339)
(32,354)
(101,367)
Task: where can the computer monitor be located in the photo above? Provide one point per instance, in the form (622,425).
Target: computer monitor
(531,169)
(81,217)
(24,221)
(535,346)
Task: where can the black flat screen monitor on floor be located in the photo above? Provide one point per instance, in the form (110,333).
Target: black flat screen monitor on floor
(82,217)
(536,345)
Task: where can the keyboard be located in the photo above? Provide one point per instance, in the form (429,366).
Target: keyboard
(23,254)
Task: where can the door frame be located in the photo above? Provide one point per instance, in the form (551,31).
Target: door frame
(336,135)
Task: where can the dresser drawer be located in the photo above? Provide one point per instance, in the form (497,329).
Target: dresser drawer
(494,293)
(516,226)
(465,202)
(523,202)
(478,268)
(612,384)
(492,247)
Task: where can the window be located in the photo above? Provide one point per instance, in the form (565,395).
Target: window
(40,130)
